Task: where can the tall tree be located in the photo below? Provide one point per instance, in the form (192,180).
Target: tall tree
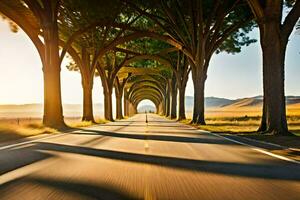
(108,67)
(181,69)
(173,111)
(96,27)
(39,18)
(199,29)
(274,34)
(119,90)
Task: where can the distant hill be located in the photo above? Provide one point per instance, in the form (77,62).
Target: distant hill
(147,108)
(216,102)
(75,110)
(237,103)
(209,102)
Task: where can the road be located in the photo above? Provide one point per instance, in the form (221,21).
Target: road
(129,159)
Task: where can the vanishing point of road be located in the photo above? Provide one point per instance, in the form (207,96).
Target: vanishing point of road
(130,159)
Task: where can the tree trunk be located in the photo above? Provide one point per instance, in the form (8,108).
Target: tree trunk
(167,113)
(181,111)
(167,101)
(173,113)
(198,111)
(53,112)
(108,104)
(130,109)
(160,110)
(126,104)
(263,125)
(273,80)
(119,114)
(87,86)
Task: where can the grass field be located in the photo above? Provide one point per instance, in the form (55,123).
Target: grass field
(12,129)
(244,119)
(244,122)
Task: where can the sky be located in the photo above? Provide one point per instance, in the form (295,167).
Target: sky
(229,76)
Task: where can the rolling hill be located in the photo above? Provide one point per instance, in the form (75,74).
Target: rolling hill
(215,102)
(211,103)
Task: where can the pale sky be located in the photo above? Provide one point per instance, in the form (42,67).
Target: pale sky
(229,76)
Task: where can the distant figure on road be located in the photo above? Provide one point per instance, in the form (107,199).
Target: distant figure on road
(146,117)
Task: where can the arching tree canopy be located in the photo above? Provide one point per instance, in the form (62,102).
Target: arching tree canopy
(142,49)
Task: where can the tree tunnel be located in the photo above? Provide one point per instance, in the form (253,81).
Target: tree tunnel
(146,105)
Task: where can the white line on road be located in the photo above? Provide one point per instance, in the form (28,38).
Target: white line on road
(30,141)
(256,148)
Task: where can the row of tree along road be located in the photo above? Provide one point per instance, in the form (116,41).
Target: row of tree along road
(146,50)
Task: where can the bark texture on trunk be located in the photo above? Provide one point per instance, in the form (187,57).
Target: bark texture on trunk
(173,114)
(87,86)
(119,114)
(275,30)
(53,112)
(263,124)
(167,101)
(119,90)
(108,112)
(198,111)
(181,104)
(274,49)
(87,81)
(182,75)
(126,103)
(131,110)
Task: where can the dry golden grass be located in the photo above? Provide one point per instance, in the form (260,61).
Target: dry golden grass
(245,122)
(244,119)
(77,123)
(12,129)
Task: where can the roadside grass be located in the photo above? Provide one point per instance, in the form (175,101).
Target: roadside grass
(240,125)
(243,120)
(13,129)
(77,124)
(244,123)
(246,126)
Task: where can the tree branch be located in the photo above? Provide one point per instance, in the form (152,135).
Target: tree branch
(290,20)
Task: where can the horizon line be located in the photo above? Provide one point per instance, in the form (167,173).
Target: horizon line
(69,103)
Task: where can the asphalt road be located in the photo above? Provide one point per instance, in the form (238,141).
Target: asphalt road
(132,160)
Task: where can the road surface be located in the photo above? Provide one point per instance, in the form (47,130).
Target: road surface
(132,160)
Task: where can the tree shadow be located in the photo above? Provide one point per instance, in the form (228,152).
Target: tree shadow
(167,138)
(90,191)
(276,170)
(150,125)
(11,159)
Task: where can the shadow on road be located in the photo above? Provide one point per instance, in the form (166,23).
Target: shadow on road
(86,190)
(168,138)
(280,170)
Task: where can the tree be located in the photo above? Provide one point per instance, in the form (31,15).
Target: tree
(199,29)
(181,69)
(144,83)
(119,90)
(108,67)
(173,88)
(274,35)
(96,27)
(39,18)
(147,55)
